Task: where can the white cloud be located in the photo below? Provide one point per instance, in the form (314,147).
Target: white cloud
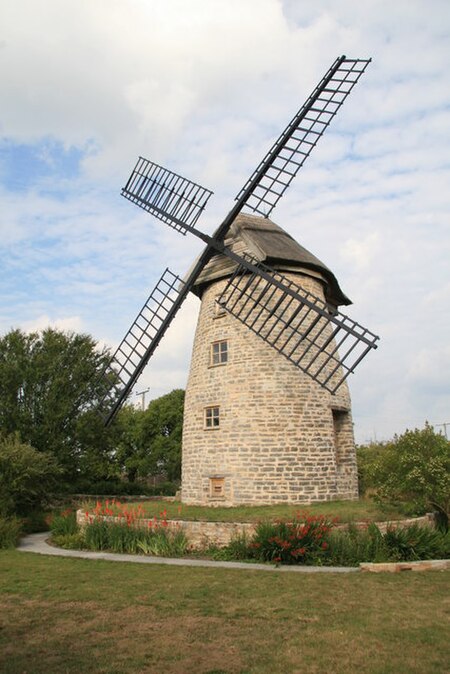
(67,324)
(205,88)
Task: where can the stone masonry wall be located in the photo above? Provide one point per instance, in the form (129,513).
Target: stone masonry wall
(282,438)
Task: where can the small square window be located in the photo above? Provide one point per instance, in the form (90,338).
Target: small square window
(217,487)
(219,352)
(212,417)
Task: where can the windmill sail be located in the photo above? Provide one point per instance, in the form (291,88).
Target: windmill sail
(175,200)
(272,177)
(141,340)
(179,203)
(323,342)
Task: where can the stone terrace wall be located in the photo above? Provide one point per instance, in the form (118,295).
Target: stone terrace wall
(202,534)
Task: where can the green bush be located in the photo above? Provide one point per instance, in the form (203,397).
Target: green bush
(64,523)
(35,522)
(415,468)
(164,543)
(99,534)
(74,541)
(349,547)
(411,543)
(237,549)
(415,542)
(27,477)
(10,532)
(299,541)
(367,456)
(124,488)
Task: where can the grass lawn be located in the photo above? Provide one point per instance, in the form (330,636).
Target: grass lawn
(347,511)
(71,615)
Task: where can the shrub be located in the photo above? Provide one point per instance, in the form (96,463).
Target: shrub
(64,523)
(415,468)
(300,541)
(74,541)
(237,549)
(10,532)
(367,456)
(415,542)
(27,477)
(127,536)
(164,543)
(350,547)
(124,488)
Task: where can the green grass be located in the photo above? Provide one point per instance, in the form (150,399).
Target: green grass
(68,616)
(347,511)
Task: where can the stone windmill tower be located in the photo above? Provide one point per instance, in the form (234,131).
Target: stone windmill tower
(256,428)
(267,408)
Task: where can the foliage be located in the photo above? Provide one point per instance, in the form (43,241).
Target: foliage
(74,541)
(349,547)
(63,523)
(415,542)
(164,543)
(415,468)
(162,426)
(125,488)
(366,456)
(237,549)
(299,541)
(10,532)
(411,543)
(116,527)
(129,451)
(47,380)
(27,477)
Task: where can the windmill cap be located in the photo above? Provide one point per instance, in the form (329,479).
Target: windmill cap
(268,243)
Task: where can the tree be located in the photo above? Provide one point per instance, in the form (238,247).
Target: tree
(130,453)
(415,468)
(27,477)
(47,383)
(162,426)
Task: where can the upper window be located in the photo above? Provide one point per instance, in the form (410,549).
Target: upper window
(212,417)
(219,352)
(219,310)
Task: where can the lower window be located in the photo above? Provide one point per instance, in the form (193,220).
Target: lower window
(212,417)
(217,487)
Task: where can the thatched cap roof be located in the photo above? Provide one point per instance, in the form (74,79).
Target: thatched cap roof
(267,242)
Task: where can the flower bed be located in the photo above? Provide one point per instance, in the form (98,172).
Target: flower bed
(304,538)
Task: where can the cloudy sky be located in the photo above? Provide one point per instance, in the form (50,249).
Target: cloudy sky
(204,87)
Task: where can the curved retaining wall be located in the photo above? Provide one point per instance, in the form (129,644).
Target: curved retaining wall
(203,534)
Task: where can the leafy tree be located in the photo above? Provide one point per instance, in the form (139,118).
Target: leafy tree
(47,382)
(415,468)
(162,426)
(27,477)
(130,453)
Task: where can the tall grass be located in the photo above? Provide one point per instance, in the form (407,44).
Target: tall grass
(10,532)
(121,537)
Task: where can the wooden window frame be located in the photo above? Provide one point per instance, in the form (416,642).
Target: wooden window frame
(211,416)
(217,487)
(218,355)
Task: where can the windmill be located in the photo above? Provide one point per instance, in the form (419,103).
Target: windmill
(305,327)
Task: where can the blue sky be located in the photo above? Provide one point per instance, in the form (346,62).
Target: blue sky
(204,87)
